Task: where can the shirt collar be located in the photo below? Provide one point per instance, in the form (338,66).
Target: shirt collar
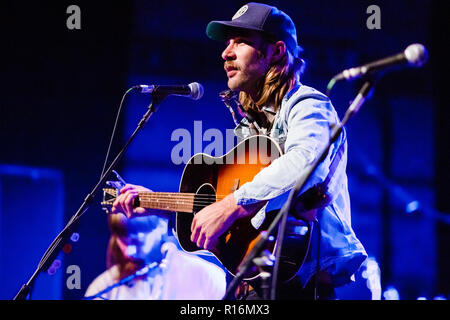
(292,91)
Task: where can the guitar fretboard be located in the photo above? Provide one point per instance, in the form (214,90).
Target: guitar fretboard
(170,201)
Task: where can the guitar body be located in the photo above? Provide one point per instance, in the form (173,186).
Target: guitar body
(220,176)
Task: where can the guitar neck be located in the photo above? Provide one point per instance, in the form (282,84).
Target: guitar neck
(170,201)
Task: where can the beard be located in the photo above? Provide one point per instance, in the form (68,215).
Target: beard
(241,81)
(252,86)
(248,79)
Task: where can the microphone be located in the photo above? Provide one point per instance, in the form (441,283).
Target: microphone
(193,90)
(414,55)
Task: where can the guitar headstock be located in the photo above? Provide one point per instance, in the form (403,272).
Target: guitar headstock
(109,196)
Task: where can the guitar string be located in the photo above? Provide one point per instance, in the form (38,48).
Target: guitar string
(173,202)
(180,201)
(165,203)
(186,197)
(185,201)
(176,195)
(177,207)
(164,200)
(203,197)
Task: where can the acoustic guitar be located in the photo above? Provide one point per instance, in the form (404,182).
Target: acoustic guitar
(208,179)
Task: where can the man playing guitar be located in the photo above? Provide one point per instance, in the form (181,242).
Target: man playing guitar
(262,62)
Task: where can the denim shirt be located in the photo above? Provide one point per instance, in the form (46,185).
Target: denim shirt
(302,129)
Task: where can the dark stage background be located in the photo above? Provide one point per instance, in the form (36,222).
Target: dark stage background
(61,89)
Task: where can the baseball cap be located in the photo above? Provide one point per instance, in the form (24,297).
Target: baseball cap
(258,17)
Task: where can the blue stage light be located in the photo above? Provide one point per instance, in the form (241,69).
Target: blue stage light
(75,237)
(412,206)
(391,294)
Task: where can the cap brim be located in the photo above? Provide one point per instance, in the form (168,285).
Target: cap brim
(222,30)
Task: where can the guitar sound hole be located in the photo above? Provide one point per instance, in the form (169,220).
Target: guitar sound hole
(204,196)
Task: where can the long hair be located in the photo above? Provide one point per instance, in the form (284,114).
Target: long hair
(281,77)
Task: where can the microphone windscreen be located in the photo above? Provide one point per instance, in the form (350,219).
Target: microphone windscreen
(196,90)
(416,54)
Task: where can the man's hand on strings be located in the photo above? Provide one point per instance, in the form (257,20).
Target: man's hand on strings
(124,202)
(212,221)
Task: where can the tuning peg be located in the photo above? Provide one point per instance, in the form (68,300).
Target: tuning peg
(119,177)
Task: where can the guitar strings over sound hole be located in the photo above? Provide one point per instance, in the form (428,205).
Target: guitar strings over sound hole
(204,196)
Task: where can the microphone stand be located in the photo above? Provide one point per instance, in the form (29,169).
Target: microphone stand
(264,236)
(57,244)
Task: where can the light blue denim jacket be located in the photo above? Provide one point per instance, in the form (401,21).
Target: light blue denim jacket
(302,129)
